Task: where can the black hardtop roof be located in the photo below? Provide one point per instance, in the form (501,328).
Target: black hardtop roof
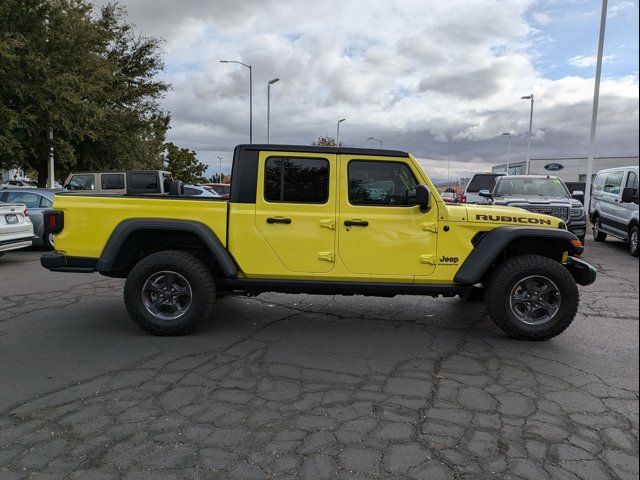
(315,149)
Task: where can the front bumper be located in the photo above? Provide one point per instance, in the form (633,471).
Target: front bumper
(57,262)
(582,272)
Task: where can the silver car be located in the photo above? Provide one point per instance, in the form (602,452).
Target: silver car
(613,209)
(37,200)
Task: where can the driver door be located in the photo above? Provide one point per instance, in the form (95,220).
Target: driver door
(381,231)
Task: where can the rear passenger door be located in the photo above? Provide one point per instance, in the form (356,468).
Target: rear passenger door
(296,209)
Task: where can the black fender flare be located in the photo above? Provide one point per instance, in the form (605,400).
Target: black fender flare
(493,243)
(124,229)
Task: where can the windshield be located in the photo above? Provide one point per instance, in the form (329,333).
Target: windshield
(482,182)
(547,187)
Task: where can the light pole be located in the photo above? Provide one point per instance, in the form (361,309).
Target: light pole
(269,83)
(594,112)
(376,139)
(508,135)
(449,165)
(529,97)
(338,131)
(221,172)
(250,95)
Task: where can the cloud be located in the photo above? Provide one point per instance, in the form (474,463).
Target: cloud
(584,61)
(410,72)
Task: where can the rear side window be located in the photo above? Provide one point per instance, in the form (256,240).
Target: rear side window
(482,182)
(81,182)
(296,180)
(144,181)
(112,181)
(45,202)
(30,200)
(381,183)
(613,182)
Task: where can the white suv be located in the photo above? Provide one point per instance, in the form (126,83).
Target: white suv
(613,209)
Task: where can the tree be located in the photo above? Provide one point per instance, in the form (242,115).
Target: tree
(183,164)
(87,76)
(325,141)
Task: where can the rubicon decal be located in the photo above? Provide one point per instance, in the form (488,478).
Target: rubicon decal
(509,219)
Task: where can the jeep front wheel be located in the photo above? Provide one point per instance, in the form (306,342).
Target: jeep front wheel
(169,292)
(531,297)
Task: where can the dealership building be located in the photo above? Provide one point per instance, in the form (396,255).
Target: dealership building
(568,169)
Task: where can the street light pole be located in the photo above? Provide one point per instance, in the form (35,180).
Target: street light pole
(271,82)
(508,135)
(594,112)
(250,95)
(529,97)
(221,172)
(376,139)
(338,131)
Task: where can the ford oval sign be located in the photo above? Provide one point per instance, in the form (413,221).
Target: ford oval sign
(554,167)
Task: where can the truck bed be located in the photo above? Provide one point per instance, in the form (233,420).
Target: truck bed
(91,219)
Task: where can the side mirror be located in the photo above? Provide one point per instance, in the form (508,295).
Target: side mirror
(577,193)
(485,194)
(423,197)
(630,195)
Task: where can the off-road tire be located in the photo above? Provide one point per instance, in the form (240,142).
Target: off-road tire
(598,235)
(500,284)
(633,241)
(201,282)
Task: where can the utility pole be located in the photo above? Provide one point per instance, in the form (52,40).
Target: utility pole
(594,112)
(50,170)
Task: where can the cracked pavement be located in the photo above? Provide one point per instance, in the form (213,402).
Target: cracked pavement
(312,387)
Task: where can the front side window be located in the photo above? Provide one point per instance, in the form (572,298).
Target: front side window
(296,180)
(632,180)
(381,183)
(81,182)
(613,182)
(112,181)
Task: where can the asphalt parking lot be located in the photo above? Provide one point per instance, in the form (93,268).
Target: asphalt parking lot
(298,386)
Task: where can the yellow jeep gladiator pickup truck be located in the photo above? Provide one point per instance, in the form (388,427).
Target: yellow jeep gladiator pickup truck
(320,220)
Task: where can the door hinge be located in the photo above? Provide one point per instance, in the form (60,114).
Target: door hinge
(330,224)
(325,256)
(428,259)
(430,227)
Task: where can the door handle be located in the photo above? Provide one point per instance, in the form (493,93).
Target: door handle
(272,220)
(356,223)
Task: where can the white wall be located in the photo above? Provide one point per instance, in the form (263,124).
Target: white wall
(575,169)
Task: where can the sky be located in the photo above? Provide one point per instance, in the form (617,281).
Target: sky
(412,73)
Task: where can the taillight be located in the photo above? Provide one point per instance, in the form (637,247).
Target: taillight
(463,199)
(26,212)
(53,221)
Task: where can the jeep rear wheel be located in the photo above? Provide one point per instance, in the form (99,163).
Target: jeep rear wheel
(531,297)
(598,235)
(169,292)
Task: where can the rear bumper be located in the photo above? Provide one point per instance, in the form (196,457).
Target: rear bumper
(16,243)
(58,262)
(582,272)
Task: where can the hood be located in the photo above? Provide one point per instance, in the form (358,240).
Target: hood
(504,215)
(532,200)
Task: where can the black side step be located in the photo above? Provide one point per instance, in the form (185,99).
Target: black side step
(317,287)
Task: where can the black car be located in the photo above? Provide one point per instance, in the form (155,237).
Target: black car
(541,194)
